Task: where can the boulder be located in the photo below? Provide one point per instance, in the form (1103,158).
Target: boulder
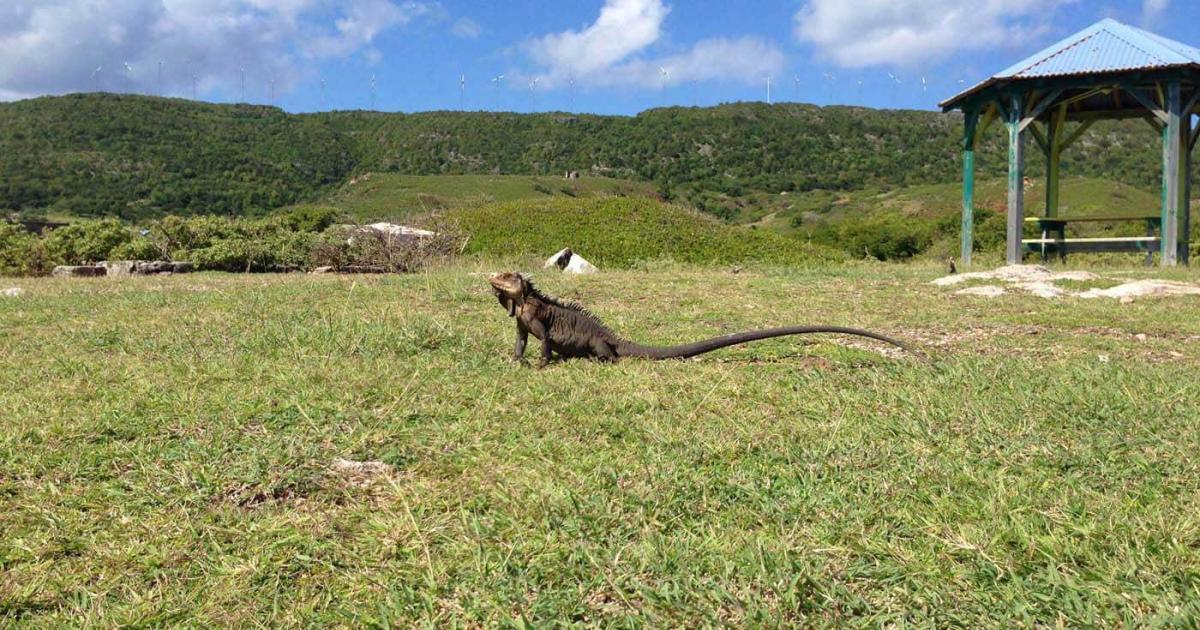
(570,262)
(152,267)
(117,268)
(78,271)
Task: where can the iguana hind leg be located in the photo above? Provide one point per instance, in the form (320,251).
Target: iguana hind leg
(604,351)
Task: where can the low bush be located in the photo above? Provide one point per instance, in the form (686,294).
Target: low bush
(620,232)
(348,246)
(22,253)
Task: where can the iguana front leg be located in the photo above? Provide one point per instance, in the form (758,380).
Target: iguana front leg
(539,330)
(522,339)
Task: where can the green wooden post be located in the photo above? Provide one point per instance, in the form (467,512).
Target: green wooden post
(1016,181)
(1173,178)
(968,207)
(1186,208)
(1057,124)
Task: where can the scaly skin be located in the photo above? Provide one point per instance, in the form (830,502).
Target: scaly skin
(569,330)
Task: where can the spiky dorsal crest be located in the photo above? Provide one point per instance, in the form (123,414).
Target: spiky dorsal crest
(570,305)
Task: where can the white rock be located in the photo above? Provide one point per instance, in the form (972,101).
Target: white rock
(1143,288)
(988,291)
(570,262)
(1017,273)
(13,292)
(1043,289)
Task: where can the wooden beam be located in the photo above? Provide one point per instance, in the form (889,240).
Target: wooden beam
(1150,105)
(1186,201)
(1057,125)
(1126,114)
(1075,135)
(991,113)
(1154,124)
(1195,136)
(996,89)
(1086,95)
(1191,103)
(1040,107)
(970,135)
(1016,181)
(1039,138)
(1173,178)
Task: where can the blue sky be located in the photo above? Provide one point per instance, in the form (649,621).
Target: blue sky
(605,56)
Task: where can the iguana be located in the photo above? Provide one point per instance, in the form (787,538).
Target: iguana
(569,330)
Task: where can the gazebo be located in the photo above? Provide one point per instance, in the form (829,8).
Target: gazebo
(1109,71)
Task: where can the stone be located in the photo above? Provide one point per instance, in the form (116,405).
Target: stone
(13,292)
(118,268)
(570,262)
(78,271)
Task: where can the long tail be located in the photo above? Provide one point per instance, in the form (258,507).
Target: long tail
(687,350)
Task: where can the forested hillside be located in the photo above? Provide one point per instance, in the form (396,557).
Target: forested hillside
(132,156)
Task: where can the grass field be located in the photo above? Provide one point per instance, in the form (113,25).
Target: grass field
(1081,197)
(391,196)
(167,451)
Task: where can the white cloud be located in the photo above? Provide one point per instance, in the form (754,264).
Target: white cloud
(54,46)
(746,60)
(909,32)
(361,22)
(1152,10)
(466,28)
(613,50)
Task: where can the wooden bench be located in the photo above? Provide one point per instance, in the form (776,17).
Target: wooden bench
(1054,237)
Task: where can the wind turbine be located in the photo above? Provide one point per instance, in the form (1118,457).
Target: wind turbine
(96,76)
(496,82)
(859,93)
(768,89)
(322,93)
(160,82)
(374,84)
(462,91)
(796,82)
(895,86)
(571,94)
(128,72)
(242,71)
(533,94)
(272,82)
(195,79)
(924,85)
(662,71)
(830,78)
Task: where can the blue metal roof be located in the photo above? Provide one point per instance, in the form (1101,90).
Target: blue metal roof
(1107,46)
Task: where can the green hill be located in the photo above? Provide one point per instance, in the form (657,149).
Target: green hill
(135,157)
(396,197)
(619,232)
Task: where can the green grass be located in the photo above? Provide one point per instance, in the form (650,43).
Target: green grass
(1080,197)
(624,231)
(389,196)
(166,448)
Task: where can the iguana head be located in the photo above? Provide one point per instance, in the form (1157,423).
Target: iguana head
(510,288)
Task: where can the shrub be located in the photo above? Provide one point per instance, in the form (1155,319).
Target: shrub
(140,248)
(22,253)
(92,241)
(310,218)
(276,252)
(347,246)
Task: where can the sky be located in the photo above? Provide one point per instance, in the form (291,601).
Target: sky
(601,56)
